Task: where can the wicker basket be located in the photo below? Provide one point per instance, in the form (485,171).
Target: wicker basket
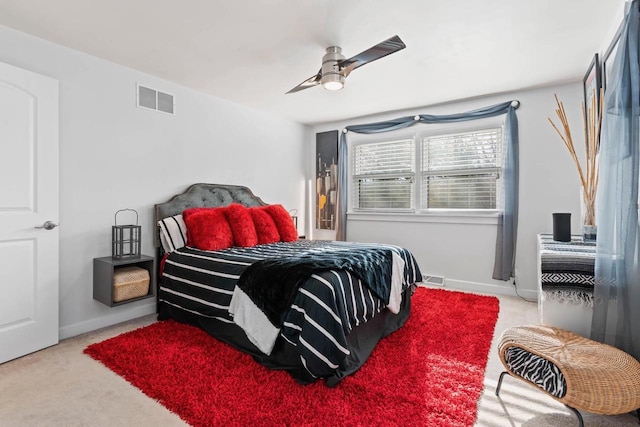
(130,282)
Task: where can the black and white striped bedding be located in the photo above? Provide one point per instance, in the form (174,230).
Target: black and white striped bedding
(325,309)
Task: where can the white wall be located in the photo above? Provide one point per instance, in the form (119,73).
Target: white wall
(464,252)
(114,155)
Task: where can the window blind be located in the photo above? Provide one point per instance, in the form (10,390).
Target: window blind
(383,175)
(462,170)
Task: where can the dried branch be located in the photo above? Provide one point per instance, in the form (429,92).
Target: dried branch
(592,123)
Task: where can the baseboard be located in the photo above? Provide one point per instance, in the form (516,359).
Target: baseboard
(104,321)
(488,288)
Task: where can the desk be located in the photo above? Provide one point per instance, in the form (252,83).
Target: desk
(565,283)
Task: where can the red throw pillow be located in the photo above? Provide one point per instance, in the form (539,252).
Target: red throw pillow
(188,212)
(241,223)
(265,227)
(207,229)
(284,222)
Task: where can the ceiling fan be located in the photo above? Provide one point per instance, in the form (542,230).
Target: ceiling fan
(335,68)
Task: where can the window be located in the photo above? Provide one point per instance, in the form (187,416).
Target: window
(383,175)
(462,170)
(454,171)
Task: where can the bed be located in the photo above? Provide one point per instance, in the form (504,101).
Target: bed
(315,309)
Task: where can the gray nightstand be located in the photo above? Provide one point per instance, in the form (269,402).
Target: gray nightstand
(103,269)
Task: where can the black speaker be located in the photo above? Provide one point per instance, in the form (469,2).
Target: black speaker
(562,227)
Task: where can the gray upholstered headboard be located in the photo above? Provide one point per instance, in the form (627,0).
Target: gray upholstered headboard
(204,195)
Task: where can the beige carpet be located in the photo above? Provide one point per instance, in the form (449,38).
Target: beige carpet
(60,386)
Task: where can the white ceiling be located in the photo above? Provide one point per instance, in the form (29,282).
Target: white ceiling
(253,51)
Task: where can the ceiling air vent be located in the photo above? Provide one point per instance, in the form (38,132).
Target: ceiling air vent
(152,99)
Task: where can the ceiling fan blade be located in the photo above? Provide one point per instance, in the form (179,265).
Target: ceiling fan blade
(378,51)
(310,82)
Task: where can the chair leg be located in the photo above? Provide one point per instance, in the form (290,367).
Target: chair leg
(500,383)
(575,411)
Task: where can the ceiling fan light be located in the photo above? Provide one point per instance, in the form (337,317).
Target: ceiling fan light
(332,81)
(333,85)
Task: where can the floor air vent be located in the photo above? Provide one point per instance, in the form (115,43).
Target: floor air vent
(432,280)
(152,99)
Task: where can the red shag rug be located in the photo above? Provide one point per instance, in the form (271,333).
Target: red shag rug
(428,373)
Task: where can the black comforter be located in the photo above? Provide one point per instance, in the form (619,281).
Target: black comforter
(273,282)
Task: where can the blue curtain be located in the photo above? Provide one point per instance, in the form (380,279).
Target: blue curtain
(616,312)
(508,223)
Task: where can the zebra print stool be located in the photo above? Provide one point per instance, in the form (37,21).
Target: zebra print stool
(576,371)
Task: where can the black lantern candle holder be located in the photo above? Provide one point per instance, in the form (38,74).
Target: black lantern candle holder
(125,239)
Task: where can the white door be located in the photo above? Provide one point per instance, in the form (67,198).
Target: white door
(28,198)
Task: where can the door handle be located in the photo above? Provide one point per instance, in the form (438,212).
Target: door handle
(48,225)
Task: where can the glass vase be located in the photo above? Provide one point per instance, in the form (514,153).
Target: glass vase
(588,216)
(589,233)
